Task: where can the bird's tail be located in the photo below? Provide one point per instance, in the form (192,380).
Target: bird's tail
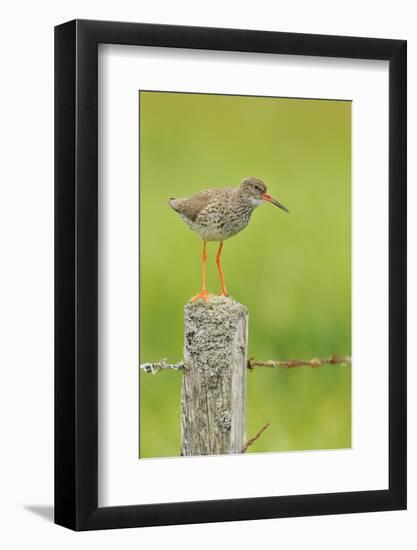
(173,203)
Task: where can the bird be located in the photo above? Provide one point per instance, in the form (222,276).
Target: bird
(218,214)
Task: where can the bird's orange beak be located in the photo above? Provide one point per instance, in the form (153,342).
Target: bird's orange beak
(268,198)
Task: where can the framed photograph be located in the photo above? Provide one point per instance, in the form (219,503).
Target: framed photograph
(230,255)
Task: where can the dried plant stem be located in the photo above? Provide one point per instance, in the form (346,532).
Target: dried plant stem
(255,438)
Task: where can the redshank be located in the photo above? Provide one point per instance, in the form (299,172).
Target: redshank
(218,214)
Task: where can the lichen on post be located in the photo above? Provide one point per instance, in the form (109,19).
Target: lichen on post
(213,402)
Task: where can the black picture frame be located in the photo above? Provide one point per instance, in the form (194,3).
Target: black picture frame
(76,272)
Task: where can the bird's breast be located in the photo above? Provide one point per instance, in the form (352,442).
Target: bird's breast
(221,223)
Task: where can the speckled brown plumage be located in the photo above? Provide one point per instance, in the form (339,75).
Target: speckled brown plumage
(218,214)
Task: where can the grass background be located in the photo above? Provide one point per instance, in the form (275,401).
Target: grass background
(292,271)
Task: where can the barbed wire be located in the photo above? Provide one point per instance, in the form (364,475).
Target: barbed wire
(292,363)
(154,368)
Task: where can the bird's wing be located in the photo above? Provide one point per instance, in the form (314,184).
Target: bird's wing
(192,206)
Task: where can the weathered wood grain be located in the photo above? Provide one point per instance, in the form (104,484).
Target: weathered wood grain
(213,401)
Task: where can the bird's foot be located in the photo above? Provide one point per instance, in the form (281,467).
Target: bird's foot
(203,295)
(223,293)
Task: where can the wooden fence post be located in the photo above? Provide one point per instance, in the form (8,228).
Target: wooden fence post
(213,400)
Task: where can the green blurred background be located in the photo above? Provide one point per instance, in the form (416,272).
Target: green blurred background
(292,271)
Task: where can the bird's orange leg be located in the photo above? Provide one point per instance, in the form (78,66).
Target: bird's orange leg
(219,267)
(203,294)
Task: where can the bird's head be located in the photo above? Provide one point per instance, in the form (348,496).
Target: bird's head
(256,192)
